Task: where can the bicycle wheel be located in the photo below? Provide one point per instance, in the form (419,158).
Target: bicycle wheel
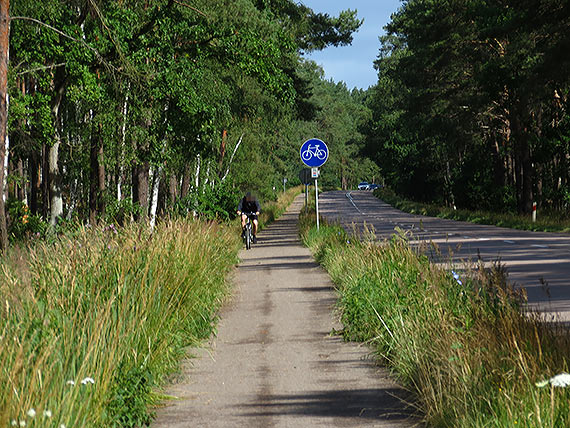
(306,155)
(247,238)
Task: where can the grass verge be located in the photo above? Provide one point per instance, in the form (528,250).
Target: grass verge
(546,222)
(273,210)
(91,325)
(461,344)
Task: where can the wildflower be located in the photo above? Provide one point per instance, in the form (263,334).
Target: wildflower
(87,380)
(561,380)
(456,277)
(14,423)
(47,413)
(70,382)
(22,423)
(31,413)
(62,426)
(25,218)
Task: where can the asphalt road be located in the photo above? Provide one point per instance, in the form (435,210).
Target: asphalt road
(274,362)
(539,262)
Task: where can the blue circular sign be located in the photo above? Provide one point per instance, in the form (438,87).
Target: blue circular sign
(314,152)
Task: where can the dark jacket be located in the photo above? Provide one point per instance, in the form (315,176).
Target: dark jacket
(246,206)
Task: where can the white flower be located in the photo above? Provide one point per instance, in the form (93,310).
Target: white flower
(87,380)
(22,423)
(71,382)
(561,380)
(31,413)
(47,413)
(62,426)
(456,277)
(14,423)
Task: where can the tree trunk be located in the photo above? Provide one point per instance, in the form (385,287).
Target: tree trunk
(172,188)
(186,176)
(20,190)
(45,181)
(4,49)
(154,199)
(96,177)
(523,164)
(56,200)
(55,194)
(140,188)
(122,146)
(33,168)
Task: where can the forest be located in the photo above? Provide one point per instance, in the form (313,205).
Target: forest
(132,110)
(121,110)
(471,105)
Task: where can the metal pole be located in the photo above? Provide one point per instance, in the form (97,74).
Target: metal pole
(317,201)
(306,198)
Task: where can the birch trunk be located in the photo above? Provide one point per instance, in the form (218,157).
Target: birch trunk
(154,199)
(4,49)
(122,146)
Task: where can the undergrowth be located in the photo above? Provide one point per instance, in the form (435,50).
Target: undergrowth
(546,221)
(461,343)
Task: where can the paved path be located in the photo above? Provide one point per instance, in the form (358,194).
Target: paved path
(539,262)
(274,362)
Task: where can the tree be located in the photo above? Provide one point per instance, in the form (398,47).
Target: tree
(4,46)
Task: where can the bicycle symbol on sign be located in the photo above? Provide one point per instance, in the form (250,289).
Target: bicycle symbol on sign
(315,151)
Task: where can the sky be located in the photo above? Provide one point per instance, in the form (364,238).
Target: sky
(354,64)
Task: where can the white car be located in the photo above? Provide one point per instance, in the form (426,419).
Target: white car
(363,186)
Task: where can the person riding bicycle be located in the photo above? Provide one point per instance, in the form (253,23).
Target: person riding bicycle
(249,207)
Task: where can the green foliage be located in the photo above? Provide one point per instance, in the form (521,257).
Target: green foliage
(216,202)
(157,84)
(130,397)
(121,212)
(116,306)
(470,108)
(22,223)
(457,339)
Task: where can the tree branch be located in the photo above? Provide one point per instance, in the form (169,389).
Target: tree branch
(232,157)
(47,67)
(190,7)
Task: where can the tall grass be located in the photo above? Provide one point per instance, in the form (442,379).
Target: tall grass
(112,308)
(272,210)
(461,344)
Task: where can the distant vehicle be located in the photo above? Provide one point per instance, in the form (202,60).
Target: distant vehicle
(363,186)
(373,186)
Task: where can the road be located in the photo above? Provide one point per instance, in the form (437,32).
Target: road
(539,262)
(274,362)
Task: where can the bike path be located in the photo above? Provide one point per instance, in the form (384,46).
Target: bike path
(274,362)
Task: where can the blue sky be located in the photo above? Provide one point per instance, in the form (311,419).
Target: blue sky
(354,64)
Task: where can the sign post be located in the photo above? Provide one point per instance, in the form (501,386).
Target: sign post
(314,153)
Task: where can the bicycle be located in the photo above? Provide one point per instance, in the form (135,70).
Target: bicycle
(247,232)
(313,151)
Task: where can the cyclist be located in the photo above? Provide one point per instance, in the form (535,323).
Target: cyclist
(249,207)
